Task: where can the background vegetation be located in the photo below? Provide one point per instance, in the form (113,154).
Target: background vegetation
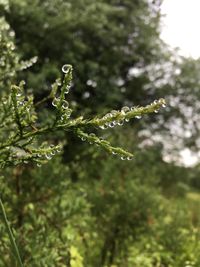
(86,207)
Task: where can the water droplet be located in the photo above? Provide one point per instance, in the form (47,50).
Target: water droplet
(114,153)
(111,124)
(164,105)
(20,103)
(103,127)
(138,117)
(39,164)
(48,156)
(155,101)
(83,138)
(125,109)
(105,117)
(129,158)
(53,153)
(156,111)
(127,120)
(58,83)
(109,115)
(66,90)
(66,68)
(123,158)
(18,94)
(65,104)
(58,150)
(120,123)
(55,102)
(114,112)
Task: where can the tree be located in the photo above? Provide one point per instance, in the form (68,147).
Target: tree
(103,40)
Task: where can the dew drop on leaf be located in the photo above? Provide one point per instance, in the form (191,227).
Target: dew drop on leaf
(111,124)
(55,102)
(120,123)
(58,150)
(138,117)
(48,156)
(125,109)
(66,68)
(65,104)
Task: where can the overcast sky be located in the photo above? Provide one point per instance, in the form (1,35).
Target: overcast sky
(182,25)
(181,28)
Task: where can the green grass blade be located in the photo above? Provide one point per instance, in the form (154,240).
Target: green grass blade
(10,234)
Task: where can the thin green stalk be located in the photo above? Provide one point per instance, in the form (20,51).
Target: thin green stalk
(10,234)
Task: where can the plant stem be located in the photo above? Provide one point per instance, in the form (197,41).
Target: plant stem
(11,236)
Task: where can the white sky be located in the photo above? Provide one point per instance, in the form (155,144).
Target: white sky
(181,28)
(182,25)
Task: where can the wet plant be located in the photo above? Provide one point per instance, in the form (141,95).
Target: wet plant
(21,129)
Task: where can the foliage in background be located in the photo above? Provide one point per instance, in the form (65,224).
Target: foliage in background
(103,40)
